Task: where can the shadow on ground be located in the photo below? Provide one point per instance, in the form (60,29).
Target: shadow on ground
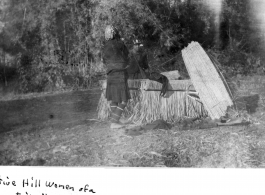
(249,103)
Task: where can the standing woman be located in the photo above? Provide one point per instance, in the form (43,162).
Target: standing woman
(138,62)
(115,57)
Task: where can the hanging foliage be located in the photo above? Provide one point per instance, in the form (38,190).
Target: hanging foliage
(53,40)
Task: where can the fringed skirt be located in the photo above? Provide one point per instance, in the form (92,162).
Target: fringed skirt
(117,88)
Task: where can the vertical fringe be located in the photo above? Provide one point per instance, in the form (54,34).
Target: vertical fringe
(147,106)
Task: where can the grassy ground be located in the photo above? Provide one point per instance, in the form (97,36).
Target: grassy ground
(63,130)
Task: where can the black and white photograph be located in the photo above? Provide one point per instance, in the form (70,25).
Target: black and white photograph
(139,84)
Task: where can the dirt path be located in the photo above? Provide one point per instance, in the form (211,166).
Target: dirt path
(61,130)
(59,110)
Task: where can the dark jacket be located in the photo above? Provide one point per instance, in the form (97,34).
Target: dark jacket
(139,69)
(115,55)
(138,65)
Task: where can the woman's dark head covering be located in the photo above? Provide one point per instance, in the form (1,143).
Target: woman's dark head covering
(138,46)
(111,32)
(137,42)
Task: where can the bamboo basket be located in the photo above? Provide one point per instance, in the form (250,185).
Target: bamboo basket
(146,105)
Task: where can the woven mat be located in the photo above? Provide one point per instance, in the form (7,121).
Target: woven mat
(206,80)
